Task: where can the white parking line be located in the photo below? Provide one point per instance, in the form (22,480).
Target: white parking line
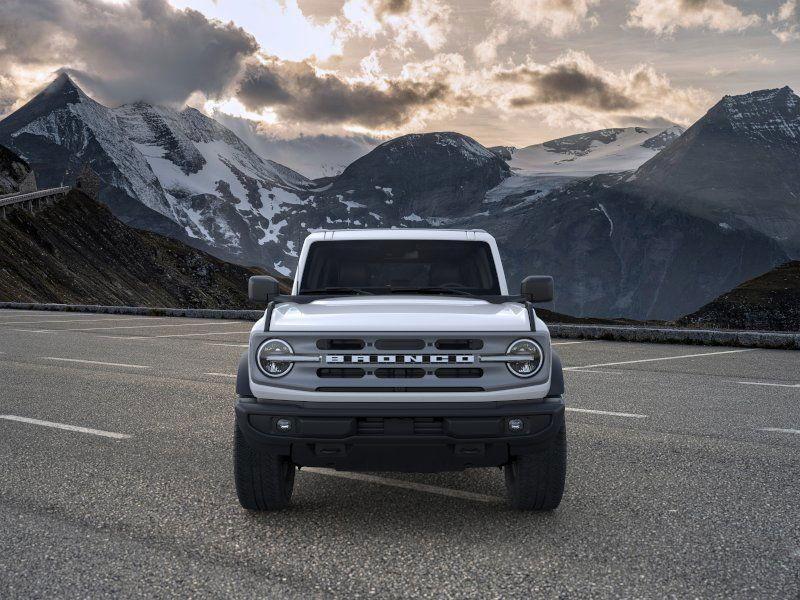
(230,345)
(407,485)
(78,320)
(779,430)
(134,327)
(787,385)
(174,335)
(570,343)
(220,375)
(597,371)
(94,362)
(606,412)
(100,432)
(645,360)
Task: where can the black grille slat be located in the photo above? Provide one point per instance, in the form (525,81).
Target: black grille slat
(467,373)
(343,373)
(370,426)
(340,344)
(419,426)
(400,344)
(399,373)
(428,426)
(459,344)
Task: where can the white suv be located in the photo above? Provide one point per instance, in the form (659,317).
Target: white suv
(400,350)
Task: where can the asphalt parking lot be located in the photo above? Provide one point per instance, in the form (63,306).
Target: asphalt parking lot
(116,480)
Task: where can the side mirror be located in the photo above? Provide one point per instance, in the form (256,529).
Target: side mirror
(262,288)
(537,288)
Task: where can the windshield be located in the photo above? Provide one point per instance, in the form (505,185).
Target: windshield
(397,266)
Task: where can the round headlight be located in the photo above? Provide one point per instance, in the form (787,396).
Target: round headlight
(534,358)
(269,366)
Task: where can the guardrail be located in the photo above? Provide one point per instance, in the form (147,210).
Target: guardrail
(7,200)
(660,335)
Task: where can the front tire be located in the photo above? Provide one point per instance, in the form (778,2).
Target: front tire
(264,480)
(536,481)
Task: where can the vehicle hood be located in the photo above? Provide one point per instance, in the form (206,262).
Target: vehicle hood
(400,313)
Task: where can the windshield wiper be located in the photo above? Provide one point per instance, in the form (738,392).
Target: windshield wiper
(337,290)
(433,290)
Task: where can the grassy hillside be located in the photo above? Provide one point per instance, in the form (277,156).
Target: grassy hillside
(76,251)
(769,302)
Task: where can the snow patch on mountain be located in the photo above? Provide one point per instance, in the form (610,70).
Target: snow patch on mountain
(593,153)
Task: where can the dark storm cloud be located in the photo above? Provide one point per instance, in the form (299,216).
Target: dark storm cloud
(297,92)
(142,50)
(566,83)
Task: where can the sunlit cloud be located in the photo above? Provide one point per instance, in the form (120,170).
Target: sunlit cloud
(404,21)
(787,22)
(556,17)
(664,17)
(235,108)
(486,51)
(573,88)
(279,26)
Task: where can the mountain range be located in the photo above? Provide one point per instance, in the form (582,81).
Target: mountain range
(633,222)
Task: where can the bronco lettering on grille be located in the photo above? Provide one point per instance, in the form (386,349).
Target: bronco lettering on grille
(399,358)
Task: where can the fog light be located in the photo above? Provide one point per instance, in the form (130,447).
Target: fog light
(283,424)
(516,424)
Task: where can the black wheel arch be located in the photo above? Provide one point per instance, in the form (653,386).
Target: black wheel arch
(556,377)
(243,378)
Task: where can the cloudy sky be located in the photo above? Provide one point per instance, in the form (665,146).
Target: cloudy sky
(503,71)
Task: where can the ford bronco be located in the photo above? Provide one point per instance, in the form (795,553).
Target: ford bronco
(400,350)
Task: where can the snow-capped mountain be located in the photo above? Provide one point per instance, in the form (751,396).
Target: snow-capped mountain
(739,165)
(718,206)
(315,156)
(593,153)
(176,172)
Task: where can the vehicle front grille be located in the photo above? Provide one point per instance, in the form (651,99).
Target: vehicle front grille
(340,373)
(411,362)
(402,426)
(340,344)
(399,344)
(458,344)
(399,373)
(446,373)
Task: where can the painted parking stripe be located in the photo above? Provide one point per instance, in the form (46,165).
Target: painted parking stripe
(609,413)
(229,345)
(598,371)
(786,385)
(94,362)
(220,375)
(176,335)
(407,485)
(139,327)
(570,343)
(117,319)
(780,430)
(646,360)
(100,432)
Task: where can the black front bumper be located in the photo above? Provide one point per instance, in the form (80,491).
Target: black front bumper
(414,437)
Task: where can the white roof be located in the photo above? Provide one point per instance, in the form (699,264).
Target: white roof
(399,234)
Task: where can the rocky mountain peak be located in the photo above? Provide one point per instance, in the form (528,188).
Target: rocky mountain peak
(442,144)
(64,86)
(761,115)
